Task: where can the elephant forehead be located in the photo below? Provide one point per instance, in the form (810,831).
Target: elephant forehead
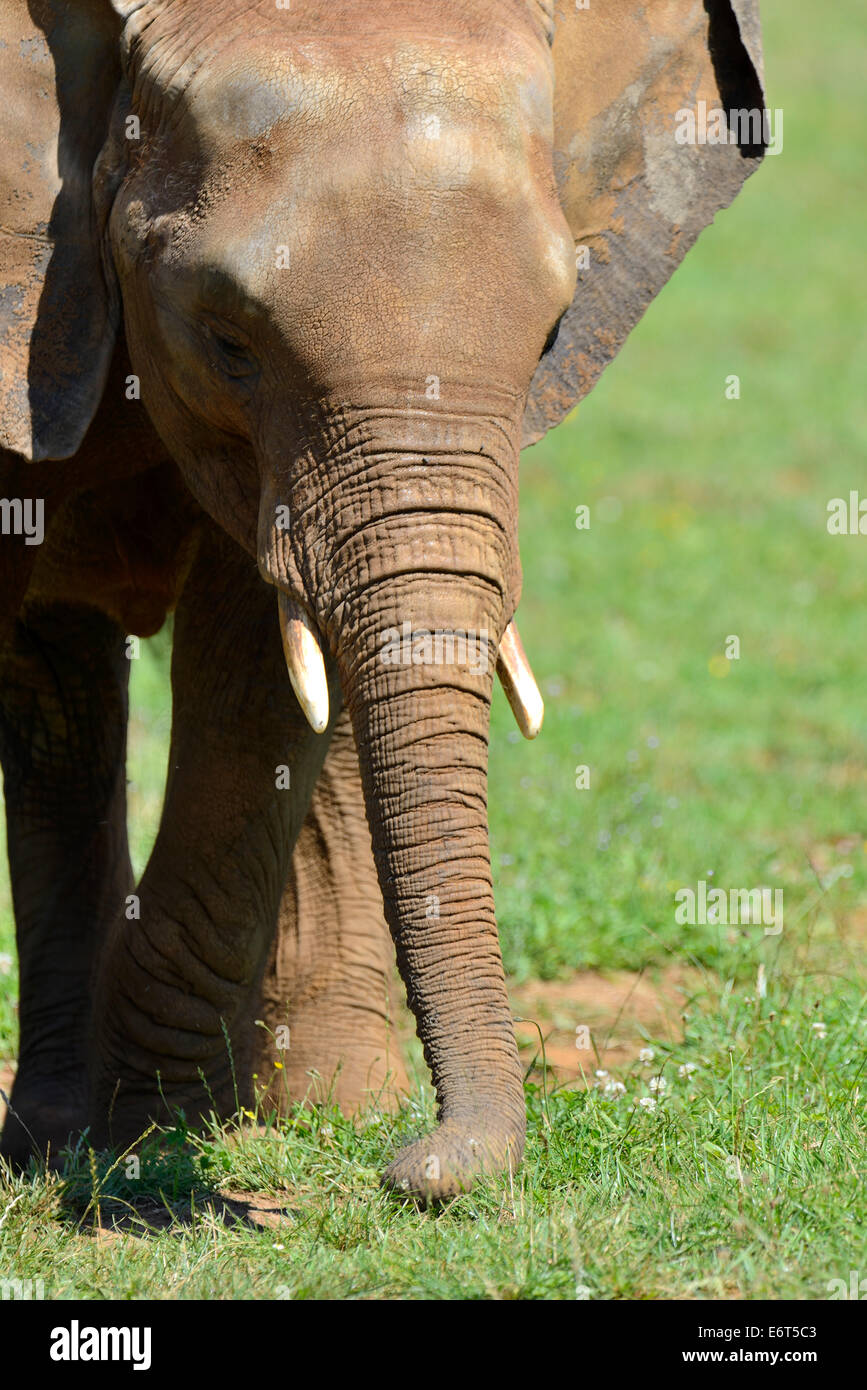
(317,90)
(388,212)
(253,92)
(313,140)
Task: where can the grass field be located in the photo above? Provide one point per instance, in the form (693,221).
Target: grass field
(708,521)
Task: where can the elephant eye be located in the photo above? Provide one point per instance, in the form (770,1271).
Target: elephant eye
(234,354)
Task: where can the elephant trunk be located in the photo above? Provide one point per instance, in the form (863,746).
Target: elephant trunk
(422,732)
(410,583)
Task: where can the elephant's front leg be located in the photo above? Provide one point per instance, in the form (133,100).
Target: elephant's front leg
(328,998)
(63,717)
(178,984)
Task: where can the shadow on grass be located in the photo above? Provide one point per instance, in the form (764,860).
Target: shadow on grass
(170,1179)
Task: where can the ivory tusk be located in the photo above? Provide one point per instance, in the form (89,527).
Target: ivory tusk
(304,662)
(519,683)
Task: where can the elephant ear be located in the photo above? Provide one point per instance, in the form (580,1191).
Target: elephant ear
(59,70)
(635,187)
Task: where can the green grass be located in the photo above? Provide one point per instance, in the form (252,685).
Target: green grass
(747,1179)
(707,520)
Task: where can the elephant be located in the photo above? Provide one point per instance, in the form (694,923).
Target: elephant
(285,291)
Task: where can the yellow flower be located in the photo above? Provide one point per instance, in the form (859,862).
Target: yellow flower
(279,1066)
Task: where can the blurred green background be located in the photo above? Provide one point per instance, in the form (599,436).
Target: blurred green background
(708,520)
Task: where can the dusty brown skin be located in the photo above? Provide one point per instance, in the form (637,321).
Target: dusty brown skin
(321,212)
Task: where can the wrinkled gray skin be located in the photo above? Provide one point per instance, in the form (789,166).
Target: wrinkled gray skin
(340,246)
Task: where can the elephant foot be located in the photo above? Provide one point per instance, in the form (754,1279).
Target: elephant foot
(447,1162)
(40,1123)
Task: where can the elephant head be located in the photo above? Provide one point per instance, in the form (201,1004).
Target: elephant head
(359,255)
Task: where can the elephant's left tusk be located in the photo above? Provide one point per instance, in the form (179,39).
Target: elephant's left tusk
(519,683)
(305,662)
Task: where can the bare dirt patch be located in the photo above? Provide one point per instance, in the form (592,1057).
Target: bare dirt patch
(620,1011)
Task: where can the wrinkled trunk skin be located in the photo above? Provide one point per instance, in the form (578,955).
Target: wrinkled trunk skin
(418,526)
(424,749)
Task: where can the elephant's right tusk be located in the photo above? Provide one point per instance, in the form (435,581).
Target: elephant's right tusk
(304,662)
(519,683)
